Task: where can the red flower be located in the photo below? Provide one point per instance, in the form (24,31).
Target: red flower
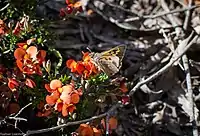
(12,84)
(62,98)
(84,68)
(62,12)
(123,87)
(125,100)
(29,60)
(73,6)
(30,83)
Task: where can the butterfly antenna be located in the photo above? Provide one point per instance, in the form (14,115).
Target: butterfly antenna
(88,49)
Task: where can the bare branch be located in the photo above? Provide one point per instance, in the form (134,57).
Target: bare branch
(30,132)
(184,45)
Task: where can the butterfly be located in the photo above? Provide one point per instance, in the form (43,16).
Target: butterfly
(109,61)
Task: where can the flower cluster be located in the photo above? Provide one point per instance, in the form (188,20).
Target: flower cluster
(85,68)
(21,75)
(62,97)
(15,79)
(72,7)
(29,59)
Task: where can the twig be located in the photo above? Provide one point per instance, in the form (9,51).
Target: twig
(180,50)
(188,77)
(30,132)
(161,14)
(17,118)
(188,16)
(173,19)
(5,7)
(22,109)
(107,124)
(190,95)
(22,133)
(124,23)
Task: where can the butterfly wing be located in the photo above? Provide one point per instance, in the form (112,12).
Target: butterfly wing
(111,61)
(110,65)
(116,51)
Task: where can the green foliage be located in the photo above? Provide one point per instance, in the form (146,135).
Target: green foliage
(98,79)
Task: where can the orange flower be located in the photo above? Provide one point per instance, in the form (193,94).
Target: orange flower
(74,6)
(97,132)
(12,84)
(55,84)
(29,60)
(53,98)
(62,98)
(84,68)
(67,108)
(87,130)
(112,123)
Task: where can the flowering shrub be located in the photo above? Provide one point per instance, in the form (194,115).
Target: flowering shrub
(28,76)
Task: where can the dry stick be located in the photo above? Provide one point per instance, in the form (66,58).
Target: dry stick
(188,77)
(17,118)
(190,95)
(130,27)
(174,21)
(180,50)
(107,124)
(5,7)
(22,109)
(31,132)
(161,14)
